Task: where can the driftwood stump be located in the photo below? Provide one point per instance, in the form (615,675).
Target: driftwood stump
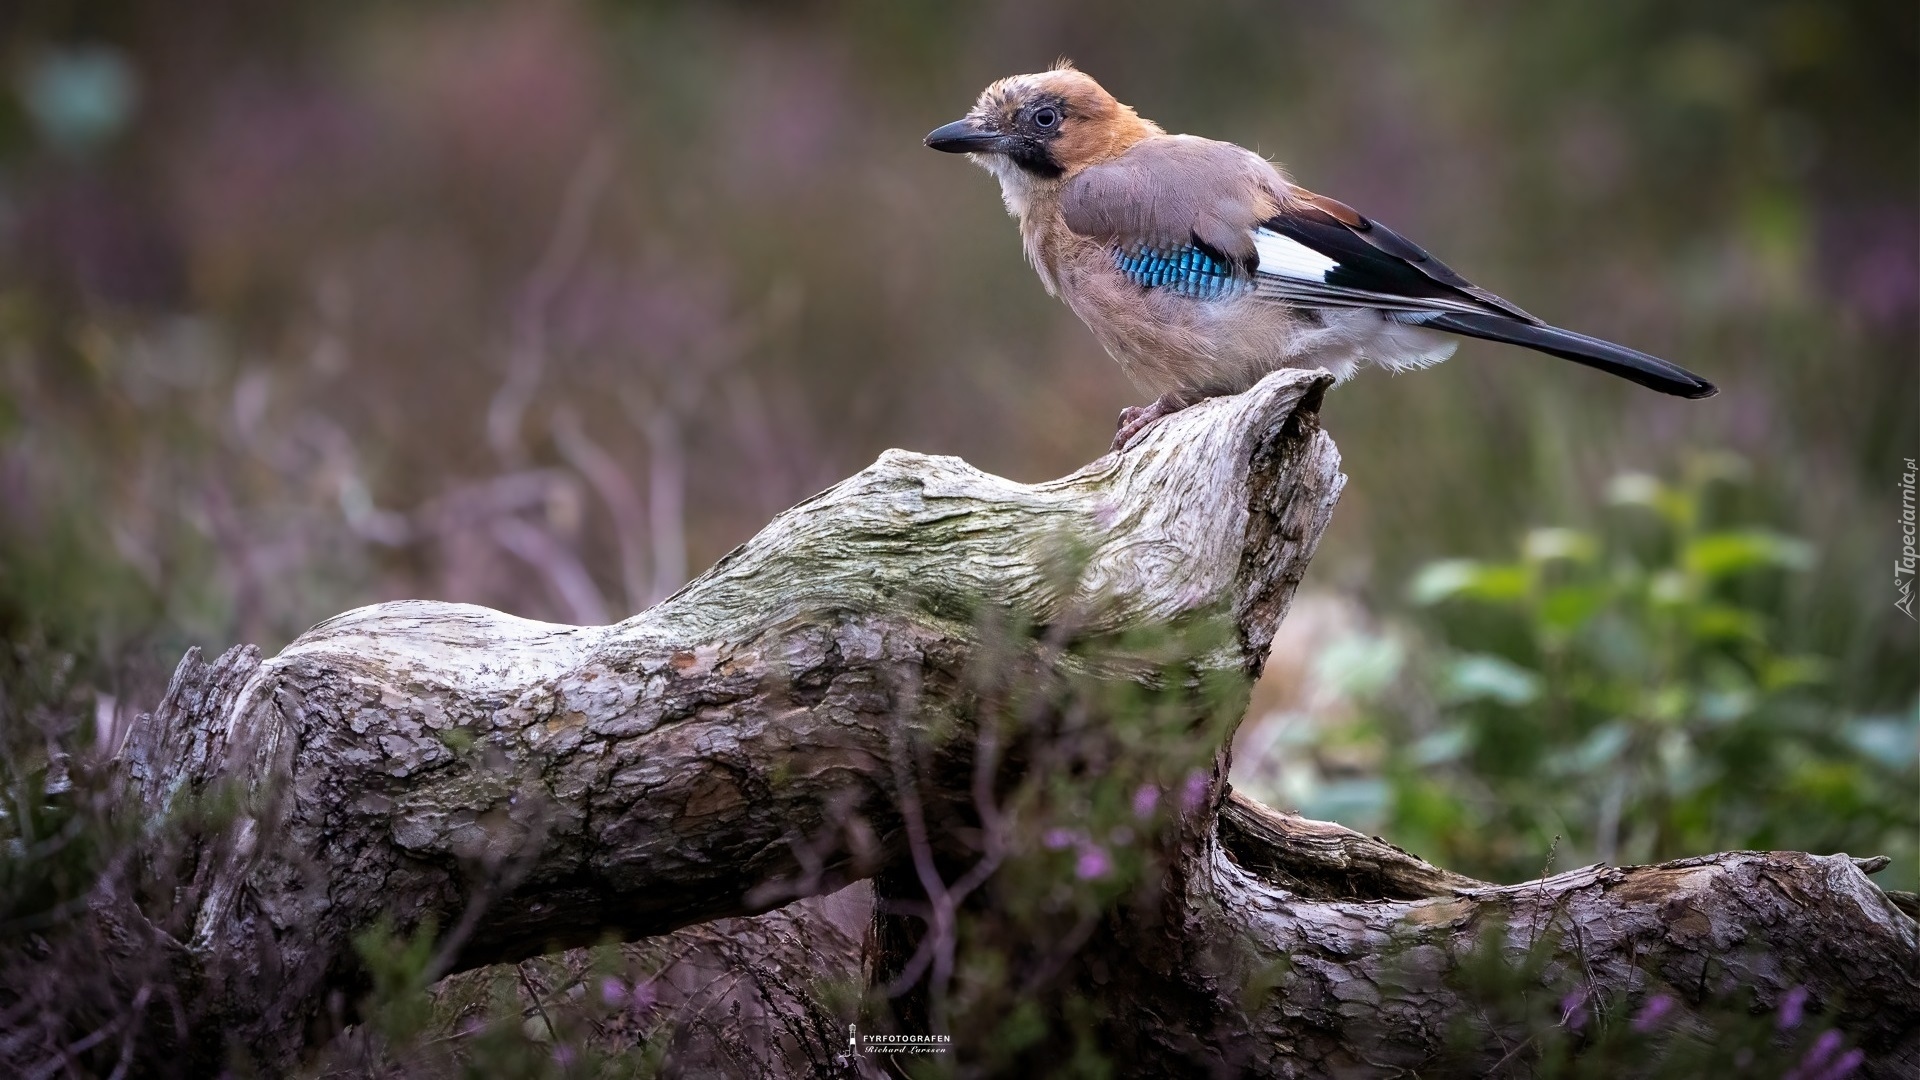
(532,786)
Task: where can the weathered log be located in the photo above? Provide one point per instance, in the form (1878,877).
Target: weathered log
(1368,936)
(533,786)
(1355,942)
(731,997)
(536,786)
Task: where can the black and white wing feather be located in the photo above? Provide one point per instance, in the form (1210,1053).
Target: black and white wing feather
(1321,253)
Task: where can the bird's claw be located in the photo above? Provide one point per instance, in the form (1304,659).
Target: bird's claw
(1135,418)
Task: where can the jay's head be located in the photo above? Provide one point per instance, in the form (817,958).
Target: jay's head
(1044,127)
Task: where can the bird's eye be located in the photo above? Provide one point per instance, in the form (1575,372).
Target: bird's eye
(1046,117)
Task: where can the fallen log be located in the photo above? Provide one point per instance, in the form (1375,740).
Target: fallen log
(527,787)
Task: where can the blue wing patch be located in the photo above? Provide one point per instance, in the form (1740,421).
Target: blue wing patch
(1186,270)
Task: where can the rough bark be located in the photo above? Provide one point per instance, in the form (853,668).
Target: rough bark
(1369,935)
(738,997)
(534,786)
(1357,942)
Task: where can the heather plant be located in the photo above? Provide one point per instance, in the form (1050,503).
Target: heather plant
(1082,760)
(1109,773)
(1558,1027)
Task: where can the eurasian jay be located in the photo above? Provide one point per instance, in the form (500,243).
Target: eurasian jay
(1200,267)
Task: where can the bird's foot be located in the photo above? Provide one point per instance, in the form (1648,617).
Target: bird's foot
(1135,418)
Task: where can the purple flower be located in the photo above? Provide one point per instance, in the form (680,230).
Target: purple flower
(1847,1063)
(563,1055)
(1793,1008)
(613,991)
(1193,794)
(1057,839)
(1817,1055)
(1573,1010)
(1815,1066)
(1146,799)
(641,999)
(1093,863)
(1653,1014)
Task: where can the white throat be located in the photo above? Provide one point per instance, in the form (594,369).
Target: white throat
(1017,185)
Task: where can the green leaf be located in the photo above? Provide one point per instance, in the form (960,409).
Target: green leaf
(1680,763)
(1359,665)
(1636,489)
(1723,622)
(1620,646)
(1469,580)
(1358,802)
(1639,489)
(1669,588)
(1595,752)
(1722,554)
(1786,672)
(1442,580)
(1546,545)
(1670,704)
(1727,706)
(1570,606)
(1485,677)
(1440,747)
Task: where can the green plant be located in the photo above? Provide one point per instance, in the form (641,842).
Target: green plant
(1624,688)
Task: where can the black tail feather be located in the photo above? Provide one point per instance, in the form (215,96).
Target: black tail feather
(1649,371)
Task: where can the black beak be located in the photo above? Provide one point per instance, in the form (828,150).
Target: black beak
(967,136)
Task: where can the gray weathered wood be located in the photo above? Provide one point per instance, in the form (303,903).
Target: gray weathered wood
(533,786)
(1368,935)
(673,768)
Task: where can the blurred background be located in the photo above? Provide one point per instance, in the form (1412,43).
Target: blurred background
(545,305)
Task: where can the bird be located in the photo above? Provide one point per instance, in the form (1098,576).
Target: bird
(1201,266)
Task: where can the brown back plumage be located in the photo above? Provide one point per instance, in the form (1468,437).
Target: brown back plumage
(1166,189)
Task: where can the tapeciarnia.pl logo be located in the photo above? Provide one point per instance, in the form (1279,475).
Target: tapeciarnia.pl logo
(1903,566)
